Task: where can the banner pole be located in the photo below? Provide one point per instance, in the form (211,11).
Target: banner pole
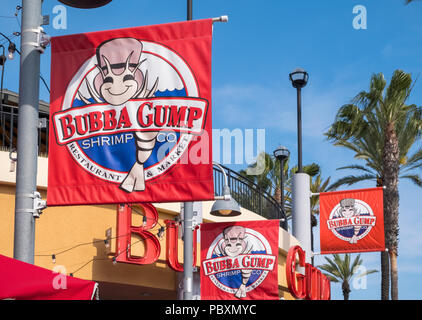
(188,251)
(27,145)
(187,228)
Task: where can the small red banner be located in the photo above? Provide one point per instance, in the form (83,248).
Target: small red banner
(130,116)
(239,260)
(352,221)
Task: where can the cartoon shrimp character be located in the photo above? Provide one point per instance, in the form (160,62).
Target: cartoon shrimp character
(348,210)
(119,80)
(234,244)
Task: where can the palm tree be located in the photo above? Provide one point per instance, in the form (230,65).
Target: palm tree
(380,129)
(339,270)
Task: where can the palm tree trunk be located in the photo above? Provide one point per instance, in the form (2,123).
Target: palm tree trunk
(391,201)
(277,194)
(385,261)
(385,276)
(346,289)
(394,275)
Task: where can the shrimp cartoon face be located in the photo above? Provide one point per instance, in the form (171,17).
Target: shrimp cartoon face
(118,88)
(234,241)
(120,79)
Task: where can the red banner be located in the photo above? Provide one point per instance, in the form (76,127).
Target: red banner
(130,115)
(352,221)
(239,260)
(24,281)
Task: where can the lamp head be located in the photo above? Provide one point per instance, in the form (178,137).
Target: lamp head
(85,4)
(11,49)
(281,153)
(299,78)
(225,208)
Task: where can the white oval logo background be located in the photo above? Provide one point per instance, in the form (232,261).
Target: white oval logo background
(160,60)
(362,207)
(259,243)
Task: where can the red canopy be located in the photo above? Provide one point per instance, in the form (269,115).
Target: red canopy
(23,281)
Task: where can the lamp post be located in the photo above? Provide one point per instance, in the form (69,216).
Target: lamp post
(2,64)
(282,154)
(301,194)
(27,145)
(188,227)
(299,79)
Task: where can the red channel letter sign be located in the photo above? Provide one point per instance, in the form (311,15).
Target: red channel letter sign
(311,286)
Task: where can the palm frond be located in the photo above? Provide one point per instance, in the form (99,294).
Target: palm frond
(416,179)
(349,180)
(356,167)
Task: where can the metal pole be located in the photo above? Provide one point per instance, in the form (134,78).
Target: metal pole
(187,228)
(26,172)
(1,102)
(189,13)
(301,208)
(187,251)
(299,130)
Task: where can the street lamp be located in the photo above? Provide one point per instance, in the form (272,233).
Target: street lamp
(227,206)
(282,154)
(299,79)
(301,207)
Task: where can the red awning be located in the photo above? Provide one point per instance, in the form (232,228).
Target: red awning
(23,281)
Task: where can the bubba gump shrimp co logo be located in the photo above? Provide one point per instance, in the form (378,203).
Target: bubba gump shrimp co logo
(351,220)
(238,260)
(130,112)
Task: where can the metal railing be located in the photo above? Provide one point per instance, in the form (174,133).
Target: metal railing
(248,194)
(9,130)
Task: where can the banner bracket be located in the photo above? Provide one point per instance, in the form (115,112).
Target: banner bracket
(220,19)
(38,204)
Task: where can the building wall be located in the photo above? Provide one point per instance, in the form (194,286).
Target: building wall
(79,233)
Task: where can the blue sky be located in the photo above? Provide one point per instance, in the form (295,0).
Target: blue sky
(252,56)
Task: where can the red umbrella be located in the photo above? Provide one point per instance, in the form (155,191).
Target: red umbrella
(23,281)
